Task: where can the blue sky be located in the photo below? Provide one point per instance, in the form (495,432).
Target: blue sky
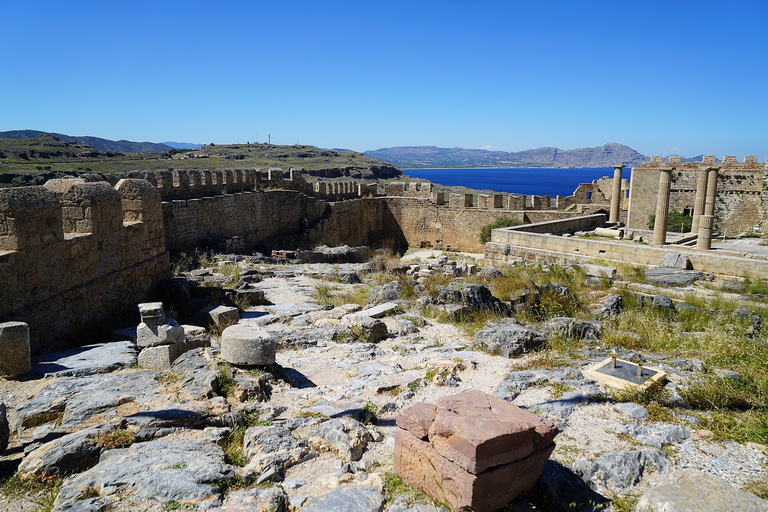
(685,77)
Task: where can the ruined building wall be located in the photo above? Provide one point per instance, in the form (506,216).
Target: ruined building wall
(255,216)
(72,253)
(424,223)
(741,194)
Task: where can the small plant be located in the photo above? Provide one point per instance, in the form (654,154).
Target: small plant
(180,465)
(175,505)
(225,383)
(40,492)
(88,493)
(233,447)
(394,487)
(115,439)
(558,389)
(311,414)
(168,377)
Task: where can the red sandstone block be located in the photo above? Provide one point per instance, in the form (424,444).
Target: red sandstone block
(478,431)
(419,465)
(417,419)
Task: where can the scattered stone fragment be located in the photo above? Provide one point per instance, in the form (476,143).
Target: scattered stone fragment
(220,316)
(345,437)
(15,359)
(248,346)
(664,303)
(676,260)
(695,491)
(366,329)
(160,357)
(166,333)
(571,328)
(669,277)
(610,307)
(152,313)
(508,339)
(385,293)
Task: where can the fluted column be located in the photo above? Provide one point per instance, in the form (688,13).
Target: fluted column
(616,194)
(706,221)
(701,196)
(662,206)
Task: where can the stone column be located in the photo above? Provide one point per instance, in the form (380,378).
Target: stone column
(701,195)
(616,194)
(662,206)
(706,221)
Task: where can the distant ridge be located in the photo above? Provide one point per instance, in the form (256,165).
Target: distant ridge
(415,157)
(182,145)
(122,146)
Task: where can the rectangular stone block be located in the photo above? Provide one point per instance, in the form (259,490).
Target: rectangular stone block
(161,357)
(15,358)
(419,465)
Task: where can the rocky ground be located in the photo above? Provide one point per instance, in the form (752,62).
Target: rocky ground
(315,431)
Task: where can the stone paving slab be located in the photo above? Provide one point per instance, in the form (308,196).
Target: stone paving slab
(88,360)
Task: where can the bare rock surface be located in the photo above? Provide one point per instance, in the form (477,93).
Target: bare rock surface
(694,491)
(87,360)
(308,422)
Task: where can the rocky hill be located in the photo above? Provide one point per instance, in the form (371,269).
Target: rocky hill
(122,146)
(434,157)
(32,161)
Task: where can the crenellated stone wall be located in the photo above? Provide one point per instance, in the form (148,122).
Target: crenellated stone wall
(73,252)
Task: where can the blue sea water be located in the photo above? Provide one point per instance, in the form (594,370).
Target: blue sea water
(529,181)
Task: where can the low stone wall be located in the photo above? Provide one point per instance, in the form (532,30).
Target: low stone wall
(508,244)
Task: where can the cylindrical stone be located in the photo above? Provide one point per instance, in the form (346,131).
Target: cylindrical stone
(706,222)
(701,196)
(616,194)
(247,346)
(662,206)
(15,357)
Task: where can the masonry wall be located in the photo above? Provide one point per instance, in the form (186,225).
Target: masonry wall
(255,216)
(72,253)
(508,244)
(426,224)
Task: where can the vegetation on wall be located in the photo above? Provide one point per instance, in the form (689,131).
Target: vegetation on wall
(501,222)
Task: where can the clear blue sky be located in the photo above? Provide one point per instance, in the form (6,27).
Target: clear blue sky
(685,77)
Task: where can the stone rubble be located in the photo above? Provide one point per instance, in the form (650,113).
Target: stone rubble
(321,415)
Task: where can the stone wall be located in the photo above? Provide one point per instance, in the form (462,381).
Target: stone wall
(254,216)
(426,224)
(73,252)
(508,244)
(741,192)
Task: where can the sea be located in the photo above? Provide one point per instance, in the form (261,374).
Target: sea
(538,181)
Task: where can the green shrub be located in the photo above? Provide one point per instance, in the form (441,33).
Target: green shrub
(677,222)
(501,222)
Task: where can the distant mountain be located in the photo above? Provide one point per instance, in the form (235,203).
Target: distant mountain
(122,146)
(414,157)
(182,145)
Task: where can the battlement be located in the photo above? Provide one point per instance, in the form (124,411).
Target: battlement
(341,190)
(728,162)
(70,240)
